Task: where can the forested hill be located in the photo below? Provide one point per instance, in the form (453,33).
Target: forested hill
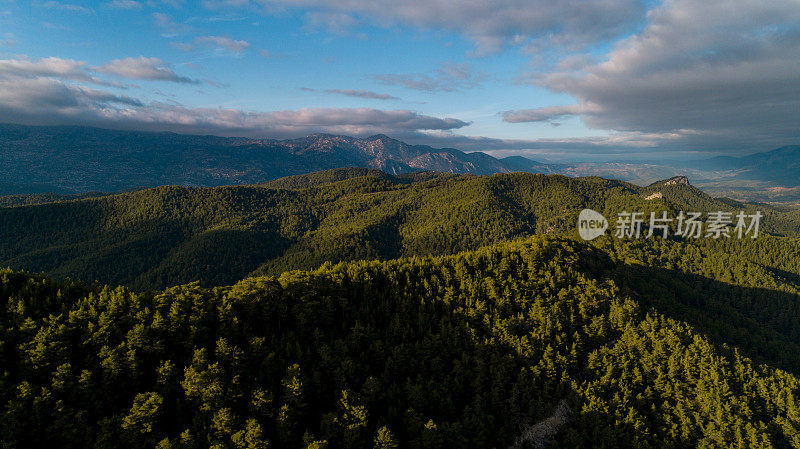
(469,332)
(166,236)
(648,344)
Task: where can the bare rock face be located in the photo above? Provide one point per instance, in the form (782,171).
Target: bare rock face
(677,180)
(654,196)
(539,434)
(673,181)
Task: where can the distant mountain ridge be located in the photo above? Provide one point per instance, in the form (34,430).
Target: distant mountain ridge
(70,159)
(395,157)
(781,165)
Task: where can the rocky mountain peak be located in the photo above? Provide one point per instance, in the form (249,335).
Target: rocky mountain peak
(677,180)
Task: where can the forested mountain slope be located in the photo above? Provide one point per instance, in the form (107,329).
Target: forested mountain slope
(519,343)
(164,236)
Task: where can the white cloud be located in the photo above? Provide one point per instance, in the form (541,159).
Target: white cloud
(143,68)
(219,43)
(232,45)
(123,4)
(356,93)
(67,7)
(45,67)
(68,69)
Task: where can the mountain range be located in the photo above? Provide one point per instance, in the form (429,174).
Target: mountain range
(782,164)
(78,160)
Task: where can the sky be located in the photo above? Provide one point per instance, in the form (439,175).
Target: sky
(554,80)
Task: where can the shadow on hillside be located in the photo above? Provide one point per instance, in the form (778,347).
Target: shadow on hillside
(764,324)
(786,276)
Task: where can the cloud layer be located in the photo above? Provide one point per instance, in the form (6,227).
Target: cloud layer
(123,4)
(356,93)
(140,68)
(490,25)
(47,91)
(716,74)
(447,78)
(48,67)
(685,74)
(547,114)
(143,68)
(232,45)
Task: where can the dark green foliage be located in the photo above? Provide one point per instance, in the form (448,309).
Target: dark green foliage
(646,343)
(41,198)
(154,238)
(738,293)
(471,350)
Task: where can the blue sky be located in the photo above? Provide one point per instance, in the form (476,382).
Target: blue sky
(556,79)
